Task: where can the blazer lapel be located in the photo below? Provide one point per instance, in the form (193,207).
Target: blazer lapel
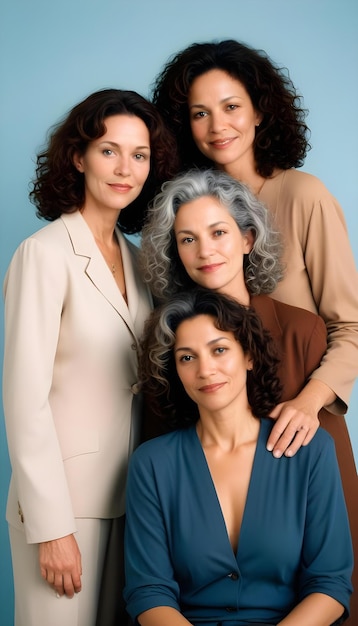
(96,269)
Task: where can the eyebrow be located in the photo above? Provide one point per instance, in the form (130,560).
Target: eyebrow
(191,232)
(210,343)
(202,106)
(116,145)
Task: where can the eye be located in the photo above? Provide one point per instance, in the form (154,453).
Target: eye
(219,233)
(140,157)
(232,107)
(107,152)
(186,358)
(186,240)
(199,115)
(220,350)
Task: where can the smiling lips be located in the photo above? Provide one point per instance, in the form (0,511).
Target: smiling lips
(211,388)
(221,144)
(210,268)
(120,188)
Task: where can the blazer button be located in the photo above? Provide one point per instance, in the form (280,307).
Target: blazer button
(135,388)
(21,515)
(234,575)
(134,346)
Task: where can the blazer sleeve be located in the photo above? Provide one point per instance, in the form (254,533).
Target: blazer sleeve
(34,295)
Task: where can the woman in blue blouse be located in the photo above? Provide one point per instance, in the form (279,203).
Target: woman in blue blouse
(218,530)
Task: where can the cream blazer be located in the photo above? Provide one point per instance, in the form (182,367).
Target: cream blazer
(70,378)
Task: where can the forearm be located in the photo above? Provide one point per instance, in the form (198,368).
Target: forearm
(315,395)
(316,609)
(162,616)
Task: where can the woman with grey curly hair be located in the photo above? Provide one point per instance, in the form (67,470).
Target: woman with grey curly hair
(160,261)
(206,228)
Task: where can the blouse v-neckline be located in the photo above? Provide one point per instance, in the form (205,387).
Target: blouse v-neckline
(260,449)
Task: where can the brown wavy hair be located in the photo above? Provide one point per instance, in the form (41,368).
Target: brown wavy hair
(281,139)
(161,385)
(58,187)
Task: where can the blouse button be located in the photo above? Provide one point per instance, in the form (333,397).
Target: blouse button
(234,575)
(135,388)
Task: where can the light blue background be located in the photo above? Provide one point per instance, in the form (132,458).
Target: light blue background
(53,54)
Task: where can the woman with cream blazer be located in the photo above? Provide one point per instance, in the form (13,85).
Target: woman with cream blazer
(74,311)
(77,393)
(70,384)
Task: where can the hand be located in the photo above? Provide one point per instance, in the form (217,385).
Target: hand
(295,427)
(297,419)
(60,565)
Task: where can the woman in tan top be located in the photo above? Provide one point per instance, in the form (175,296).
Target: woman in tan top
(229,106)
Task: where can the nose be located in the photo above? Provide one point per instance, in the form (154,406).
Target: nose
(122,167)
(205,247)
(205,366)
(217,122)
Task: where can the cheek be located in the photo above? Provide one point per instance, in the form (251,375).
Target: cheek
(197,130)
(187,259)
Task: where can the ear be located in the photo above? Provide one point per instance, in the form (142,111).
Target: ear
(258,118)
(248,241)
(78,162)
(249,363)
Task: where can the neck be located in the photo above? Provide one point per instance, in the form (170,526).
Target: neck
(238,293)
(248,176)
(228,431)
(101,224)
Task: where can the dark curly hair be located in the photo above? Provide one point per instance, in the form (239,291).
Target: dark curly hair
(58,186)
(281,139)
(161,385)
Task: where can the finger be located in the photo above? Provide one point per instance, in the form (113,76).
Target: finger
(68,587)
(301,438)
(283,430)
(293,435)
(58,584)
(77,583)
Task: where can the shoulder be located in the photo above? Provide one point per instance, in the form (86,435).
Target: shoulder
(273,311)
(297,181)
(158,451)
(295,187)
(42,239)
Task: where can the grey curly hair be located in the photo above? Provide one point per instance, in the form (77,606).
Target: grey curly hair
(159,260)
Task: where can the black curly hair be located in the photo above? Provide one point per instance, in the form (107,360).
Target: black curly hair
(281,139)
(162,387)
(58,187)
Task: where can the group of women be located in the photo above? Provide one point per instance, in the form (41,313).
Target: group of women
(237,515)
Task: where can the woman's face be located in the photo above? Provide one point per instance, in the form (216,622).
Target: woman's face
(211,246)
(116,165)
(211,364)
(223,119)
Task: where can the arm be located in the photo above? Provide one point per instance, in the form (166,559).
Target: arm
(315,610)
(34,294)
(327,558)
(334,282)
(150,580)
(303,344)
(162,616)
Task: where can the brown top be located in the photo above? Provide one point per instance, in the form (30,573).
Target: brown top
(320,271)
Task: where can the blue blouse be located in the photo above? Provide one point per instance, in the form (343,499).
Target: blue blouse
(294,537)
